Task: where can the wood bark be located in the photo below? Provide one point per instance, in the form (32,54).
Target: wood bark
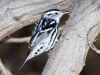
(69,54)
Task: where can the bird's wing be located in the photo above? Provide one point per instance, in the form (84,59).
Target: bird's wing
(42,27)
(38,38)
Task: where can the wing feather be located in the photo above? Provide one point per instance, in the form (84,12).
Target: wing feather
(44,25)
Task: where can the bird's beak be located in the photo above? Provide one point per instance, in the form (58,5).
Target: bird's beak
(63,13)
(66,13)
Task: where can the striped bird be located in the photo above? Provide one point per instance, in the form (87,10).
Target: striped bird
(45,33)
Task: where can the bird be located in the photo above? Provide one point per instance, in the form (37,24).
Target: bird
(45,33)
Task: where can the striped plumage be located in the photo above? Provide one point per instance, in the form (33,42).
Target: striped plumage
(45,33)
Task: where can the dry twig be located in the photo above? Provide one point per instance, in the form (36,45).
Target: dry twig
(3,69)
(18,40)
(90,43)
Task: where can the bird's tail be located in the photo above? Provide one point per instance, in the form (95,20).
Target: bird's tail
(30,55)
(23,63)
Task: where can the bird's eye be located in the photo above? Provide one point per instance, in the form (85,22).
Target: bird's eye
(56,13)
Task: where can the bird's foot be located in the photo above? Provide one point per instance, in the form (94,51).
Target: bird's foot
(49,54)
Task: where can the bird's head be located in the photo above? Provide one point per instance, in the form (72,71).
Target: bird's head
(54,14)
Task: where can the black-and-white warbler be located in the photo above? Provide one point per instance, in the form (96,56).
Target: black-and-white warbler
(45,33)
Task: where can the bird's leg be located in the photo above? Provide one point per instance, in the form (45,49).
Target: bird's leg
(59,36)
(49,54)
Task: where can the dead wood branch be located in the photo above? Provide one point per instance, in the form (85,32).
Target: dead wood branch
(89,42)
(18,40)
(4,70)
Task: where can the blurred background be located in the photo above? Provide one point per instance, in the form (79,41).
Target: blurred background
(13,54)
